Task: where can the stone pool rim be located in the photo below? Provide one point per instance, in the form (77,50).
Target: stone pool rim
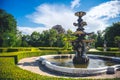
(79,71)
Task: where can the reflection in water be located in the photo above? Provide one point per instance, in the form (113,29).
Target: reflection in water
(93,63)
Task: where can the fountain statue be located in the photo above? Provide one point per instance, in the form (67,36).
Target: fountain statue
(79,45)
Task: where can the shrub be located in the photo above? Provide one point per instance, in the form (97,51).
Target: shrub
(113,49)
(116,54)
(108,49)
(16,49)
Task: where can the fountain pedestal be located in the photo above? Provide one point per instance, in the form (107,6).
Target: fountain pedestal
(80,59)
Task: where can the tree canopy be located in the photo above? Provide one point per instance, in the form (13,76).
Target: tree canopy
(117,40)
(56,36)
(59,29)
(111,32)
(8,29)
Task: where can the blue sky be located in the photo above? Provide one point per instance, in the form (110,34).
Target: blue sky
(39,15)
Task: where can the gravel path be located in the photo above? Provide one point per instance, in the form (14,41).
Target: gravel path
(95,50)
(31,64)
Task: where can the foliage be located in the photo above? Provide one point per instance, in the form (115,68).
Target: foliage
(111,32)
(52,37)
(34,39)
(107,53)
(50,48)
(117,40)
(94,43)
(18,49)
(8,29)
(99,40)
(68,38)
(59,42)
(108,48)
(59,29)
(48,38)
(9,71)
(11,37)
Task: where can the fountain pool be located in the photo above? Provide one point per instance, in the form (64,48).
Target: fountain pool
(93,62)
(97,65)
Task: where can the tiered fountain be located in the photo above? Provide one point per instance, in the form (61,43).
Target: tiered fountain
(80,64)
(79,44)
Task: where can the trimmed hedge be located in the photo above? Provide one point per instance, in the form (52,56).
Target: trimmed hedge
(18,49)
(108,49)
(107,53)
(19,55)
(9,71)
(50,48)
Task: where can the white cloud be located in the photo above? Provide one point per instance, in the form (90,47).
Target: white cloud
(29,30)
(50,15)
(97,17)
(75,3)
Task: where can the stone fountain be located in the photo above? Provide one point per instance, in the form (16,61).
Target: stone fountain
(80,64)
(79,45)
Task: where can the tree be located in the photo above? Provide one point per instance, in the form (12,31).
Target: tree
(93,36)
(68,38)
(111,32)
(8,29)
(25,41)
(99,41)
(45,37)
(35,36)
(52,37)
(18,39)
(117,40)
(59,42)
(59,29)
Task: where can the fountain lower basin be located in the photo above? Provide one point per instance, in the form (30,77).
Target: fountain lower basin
(49,61)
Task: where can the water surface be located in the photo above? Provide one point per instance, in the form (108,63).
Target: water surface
(93,63)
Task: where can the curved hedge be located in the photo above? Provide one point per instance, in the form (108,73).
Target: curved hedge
(9,71)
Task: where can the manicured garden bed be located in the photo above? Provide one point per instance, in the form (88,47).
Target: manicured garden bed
(9,71)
